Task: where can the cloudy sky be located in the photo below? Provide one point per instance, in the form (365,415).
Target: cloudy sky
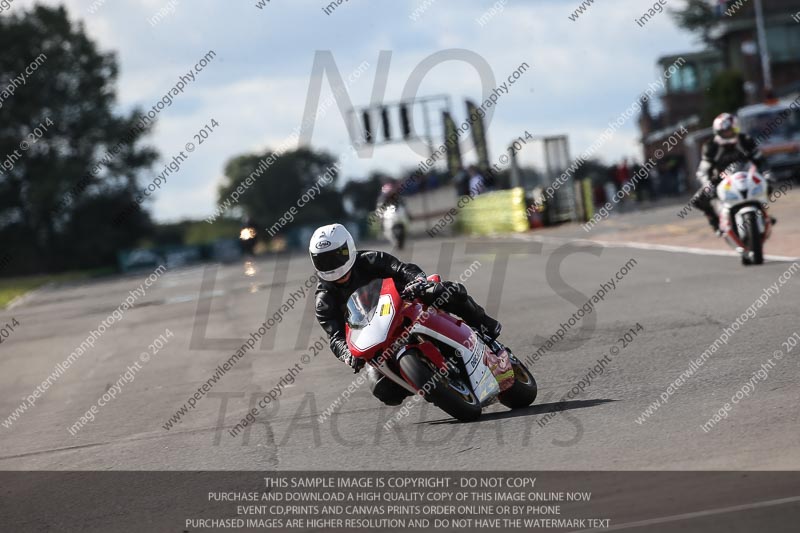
(584,73)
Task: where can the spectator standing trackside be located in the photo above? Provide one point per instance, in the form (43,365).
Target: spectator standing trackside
(599,195)
(671,182)
(461,180)
(623,174)
(477,183)
(653,184)
(636,168)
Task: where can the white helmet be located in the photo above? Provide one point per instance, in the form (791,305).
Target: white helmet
(333,251)
(726,129)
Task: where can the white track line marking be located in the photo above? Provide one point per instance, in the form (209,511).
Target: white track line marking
(697,514)
(24,297)
(647,246)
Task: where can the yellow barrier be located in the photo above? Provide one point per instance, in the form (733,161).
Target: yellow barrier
(588,200)
(495,212)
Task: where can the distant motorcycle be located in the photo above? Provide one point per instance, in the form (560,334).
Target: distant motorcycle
(743,219)
(395,222)
(432,353)
(247,240)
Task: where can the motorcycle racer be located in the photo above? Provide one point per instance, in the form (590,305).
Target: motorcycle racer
(729,146)
(389,195)
(342,270)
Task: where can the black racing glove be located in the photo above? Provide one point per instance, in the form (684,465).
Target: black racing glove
(429,292)
(416,288)
(353,362)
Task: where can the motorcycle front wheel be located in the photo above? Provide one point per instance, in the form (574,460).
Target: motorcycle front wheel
(752,238)
(447,393)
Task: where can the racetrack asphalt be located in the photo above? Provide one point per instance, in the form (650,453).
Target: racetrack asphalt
(533,282)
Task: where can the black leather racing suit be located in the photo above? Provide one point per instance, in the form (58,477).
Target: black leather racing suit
(331,303)
(716,158)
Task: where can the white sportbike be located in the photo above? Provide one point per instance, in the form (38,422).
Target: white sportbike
(742,210)
(395,222)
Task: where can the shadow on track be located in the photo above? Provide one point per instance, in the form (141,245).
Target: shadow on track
(539,409)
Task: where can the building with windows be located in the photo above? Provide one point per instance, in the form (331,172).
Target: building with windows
(736,37)
(685,100)
(681,104)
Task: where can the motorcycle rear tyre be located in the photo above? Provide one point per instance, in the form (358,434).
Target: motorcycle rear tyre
(524,390)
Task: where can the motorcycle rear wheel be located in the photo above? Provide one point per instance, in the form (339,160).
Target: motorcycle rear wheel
(524,390)
(451,396)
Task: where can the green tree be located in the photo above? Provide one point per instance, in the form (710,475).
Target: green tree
(725,94)
(697,17)
(55,203)
(363,194)
(275,188)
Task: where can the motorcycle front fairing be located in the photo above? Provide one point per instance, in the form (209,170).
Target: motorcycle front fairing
(369,332)
(739,193)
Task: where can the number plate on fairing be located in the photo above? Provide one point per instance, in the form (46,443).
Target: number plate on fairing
(483,381)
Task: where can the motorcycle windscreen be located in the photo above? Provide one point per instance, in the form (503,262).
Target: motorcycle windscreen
(362,304)
(376,328)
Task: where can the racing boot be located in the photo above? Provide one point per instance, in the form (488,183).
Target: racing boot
(770,190)
(460,303)
(490,328)
(713,221)
(475,316)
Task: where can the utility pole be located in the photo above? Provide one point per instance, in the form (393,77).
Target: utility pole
(766,68)
(429,137)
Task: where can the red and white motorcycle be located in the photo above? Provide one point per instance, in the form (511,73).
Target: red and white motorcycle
(743,218)
(432,353)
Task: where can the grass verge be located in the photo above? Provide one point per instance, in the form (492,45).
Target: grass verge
(10,288)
